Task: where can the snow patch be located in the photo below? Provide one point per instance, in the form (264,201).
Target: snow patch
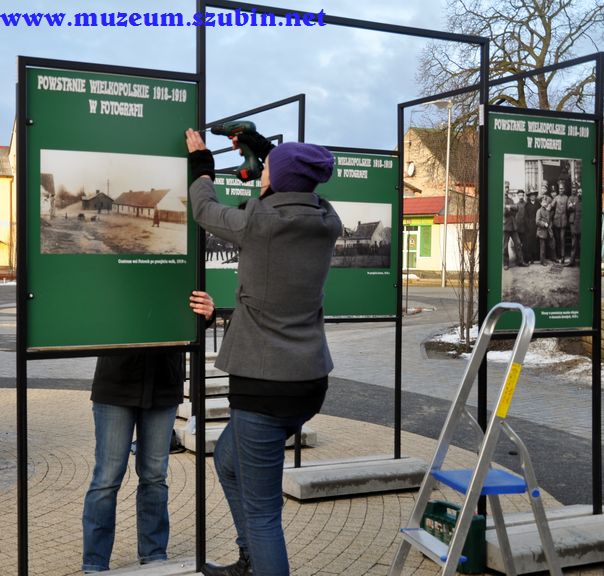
(541,352)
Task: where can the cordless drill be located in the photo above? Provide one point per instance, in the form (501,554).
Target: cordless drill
(251,167)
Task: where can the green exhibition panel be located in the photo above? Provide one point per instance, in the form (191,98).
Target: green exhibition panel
(111,246)
(548,162)
(362,279)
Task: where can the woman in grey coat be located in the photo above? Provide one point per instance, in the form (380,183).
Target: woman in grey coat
(275,350)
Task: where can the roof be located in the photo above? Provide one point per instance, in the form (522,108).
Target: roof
(365,230)
(5,167)
(141,198)
(96,194)
(171,203)
(429,205)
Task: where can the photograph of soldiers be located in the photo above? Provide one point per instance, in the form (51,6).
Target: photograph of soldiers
(510,230)
(521,223)
(544,229)
(531,242)
(574,208)
(560,220)
(542,226)
(221,253)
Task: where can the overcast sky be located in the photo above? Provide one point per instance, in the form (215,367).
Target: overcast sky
(353,79)
(113,173)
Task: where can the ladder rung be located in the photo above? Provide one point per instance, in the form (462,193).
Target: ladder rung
(496,482)
(427,544)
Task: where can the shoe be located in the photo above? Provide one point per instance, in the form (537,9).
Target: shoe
(521,264)
(241,568)
(506,267)
(569,264)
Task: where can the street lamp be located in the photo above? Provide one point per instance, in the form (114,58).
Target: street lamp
(448,104)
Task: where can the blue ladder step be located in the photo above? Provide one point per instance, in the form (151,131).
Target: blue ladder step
(496,482)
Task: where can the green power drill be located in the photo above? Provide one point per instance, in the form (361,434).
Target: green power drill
(251,167)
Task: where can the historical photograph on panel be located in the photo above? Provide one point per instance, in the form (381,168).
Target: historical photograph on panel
(542,206)
(104,203)
(366,235)
(220,253)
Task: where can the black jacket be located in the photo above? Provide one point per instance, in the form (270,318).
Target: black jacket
(142,380)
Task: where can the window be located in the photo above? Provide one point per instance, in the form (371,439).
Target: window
(425,242)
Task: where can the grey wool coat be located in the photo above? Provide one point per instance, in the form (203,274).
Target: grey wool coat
(286,242)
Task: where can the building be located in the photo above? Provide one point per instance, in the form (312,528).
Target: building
(47,196)
(423,231)
(173,209)
(365,234)
(425,155)
(98,201)
(421,235)
(8,214)
(425,192)
(140,204)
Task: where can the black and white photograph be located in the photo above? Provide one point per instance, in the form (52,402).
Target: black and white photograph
(106,203)
(366,235)
(542,207)
(221,254)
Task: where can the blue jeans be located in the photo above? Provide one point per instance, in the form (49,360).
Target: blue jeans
(249,458)
(114,427)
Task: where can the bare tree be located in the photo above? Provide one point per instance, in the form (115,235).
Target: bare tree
(524,35)
(65,198)
(463,211)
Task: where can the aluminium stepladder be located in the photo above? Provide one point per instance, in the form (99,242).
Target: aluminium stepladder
(482,480)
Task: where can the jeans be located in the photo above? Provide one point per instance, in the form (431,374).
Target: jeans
(114,427)
(249,458)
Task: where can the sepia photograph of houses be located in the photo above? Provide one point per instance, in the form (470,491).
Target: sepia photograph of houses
(366,235)
(105,203)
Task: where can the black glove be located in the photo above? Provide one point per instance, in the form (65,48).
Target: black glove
(257,143)
(202,164)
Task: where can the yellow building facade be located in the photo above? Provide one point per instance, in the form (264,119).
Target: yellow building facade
(8,210)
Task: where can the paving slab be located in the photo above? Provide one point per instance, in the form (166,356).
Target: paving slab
(167,568)
(217,408)
(359,476)
(218,386)
(577,540)
(214,430)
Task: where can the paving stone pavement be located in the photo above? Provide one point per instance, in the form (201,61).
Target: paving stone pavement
(346,536)
(352,536)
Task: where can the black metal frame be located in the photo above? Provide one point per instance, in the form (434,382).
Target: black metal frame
(482,88)
(595,332)
(378,27)
(196,366)
(196,349)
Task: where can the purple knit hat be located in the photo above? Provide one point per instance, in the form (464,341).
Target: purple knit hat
(297,167)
